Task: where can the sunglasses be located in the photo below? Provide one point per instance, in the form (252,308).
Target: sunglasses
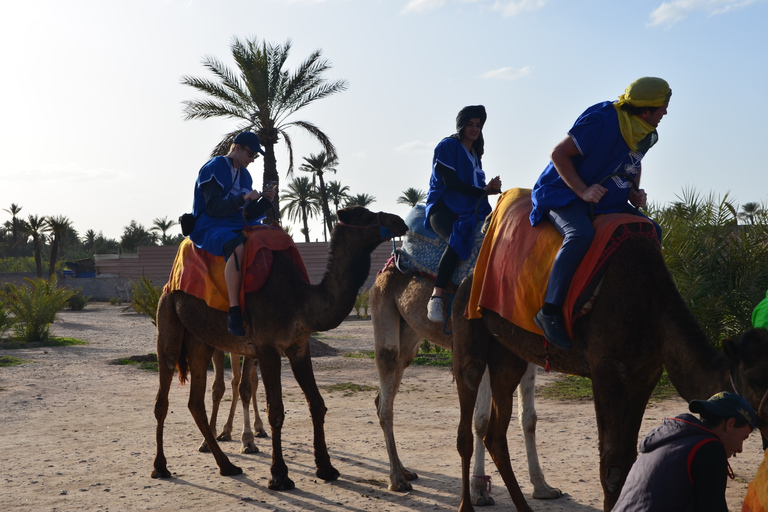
(251,154)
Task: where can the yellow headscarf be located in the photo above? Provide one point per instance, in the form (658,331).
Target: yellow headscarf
(643,92)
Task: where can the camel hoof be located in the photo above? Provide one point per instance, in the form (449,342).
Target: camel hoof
(550,493)
(329,475)
(260,432)
(249,448)
(281,484)
(232,470)
(410,475)
(204,448)
(161,473)
(484,501)
(224,437)
(400,487)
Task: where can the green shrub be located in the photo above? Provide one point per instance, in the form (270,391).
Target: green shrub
(35,306)
(77,301)
(115,301)
(144,298)
(361,303)
(6,319)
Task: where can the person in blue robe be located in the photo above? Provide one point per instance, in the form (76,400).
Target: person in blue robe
(457,198)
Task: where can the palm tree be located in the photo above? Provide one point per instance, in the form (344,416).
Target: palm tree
(263,96)
(33,227)
(89,240)
(412,197)
(336,193)
(163,225)
(360,200)
(15,225)
(302,202)
(318,165)
(57,225)
(749,211)
(135,235)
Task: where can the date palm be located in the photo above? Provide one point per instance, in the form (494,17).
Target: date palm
(749,211)
(336,193)
(163,225)
(318,165)
(15,225)
(57,226)
(33,228)
(412,197)
(360,200)
(263,96)
(301,203)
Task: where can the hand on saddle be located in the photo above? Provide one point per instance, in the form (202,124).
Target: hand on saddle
(638,198)
(593,193)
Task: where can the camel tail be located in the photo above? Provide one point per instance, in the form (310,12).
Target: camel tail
(182,365)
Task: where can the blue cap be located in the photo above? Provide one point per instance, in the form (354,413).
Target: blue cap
(249,139)
(726,405)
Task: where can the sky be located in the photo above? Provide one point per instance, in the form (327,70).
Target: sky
(92,127)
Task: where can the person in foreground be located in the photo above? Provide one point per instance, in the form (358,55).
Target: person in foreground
(683,463)
(608,137)
(457,198)
(222,189)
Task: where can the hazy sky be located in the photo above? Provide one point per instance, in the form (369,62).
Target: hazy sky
(91,124)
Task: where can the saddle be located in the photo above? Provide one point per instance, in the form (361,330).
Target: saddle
(201,274)
(422,248)
(516,258)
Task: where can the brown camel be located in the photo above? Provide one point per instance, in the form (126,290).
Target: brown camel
(398,312)
(217,394)
(279,318)
(639,324)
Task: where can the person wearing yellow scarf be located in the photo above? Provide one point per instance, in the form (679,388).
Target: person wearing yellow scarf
(607,138)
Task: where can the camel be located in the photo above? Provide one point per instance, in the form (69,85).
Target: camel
(398,304)
(639,324)
(279,318)
(217,394)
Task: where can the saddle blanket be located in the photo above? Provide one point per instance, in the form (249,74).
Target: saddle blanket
(199,273)
(422,248)
(516,258)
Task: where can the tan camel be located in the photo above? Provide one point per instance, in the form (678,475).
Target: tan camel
(398,304)
(638,325)
(279,318)
(217,394)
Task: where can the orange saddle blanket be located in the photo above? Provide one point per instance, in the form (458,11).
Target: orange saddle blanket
(199,273)
(516,258)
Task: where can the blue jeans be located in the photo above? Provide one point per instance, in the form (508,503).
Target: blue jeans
(574,223)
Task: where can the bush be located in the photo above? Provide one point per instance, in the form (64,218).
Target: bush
(77,301)
(35,306)
(144,298)
(115,301)
(6,319)
(361,304)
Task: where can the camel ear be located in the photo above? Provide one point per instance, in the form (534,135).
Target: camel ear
(731,350)
(343,215)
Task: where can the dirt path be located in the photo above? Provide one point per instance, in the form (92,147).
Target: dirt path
(77,433)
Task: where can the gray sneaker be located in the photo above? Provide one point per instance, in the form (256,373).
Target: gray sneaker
(554,329)
(435,310)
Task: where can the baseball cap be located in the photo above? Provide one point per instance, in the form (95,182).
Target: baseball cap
(726,405)
(249,139)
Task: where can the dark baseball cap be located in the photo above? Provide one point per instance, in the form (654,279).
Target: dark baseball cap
(726,405)
(249,139)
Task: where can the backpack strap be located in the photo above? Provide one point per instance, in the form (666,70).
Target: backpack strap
(692,454)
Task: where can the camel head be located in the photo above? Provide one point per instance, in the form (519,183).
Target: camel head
(748,356)
(379,226)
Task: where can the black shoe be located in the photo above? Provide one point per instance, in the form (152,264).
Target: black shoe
(554,329)
(235,322)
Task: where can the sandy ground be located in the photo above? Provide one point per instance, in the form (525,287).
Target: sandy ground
(77,433)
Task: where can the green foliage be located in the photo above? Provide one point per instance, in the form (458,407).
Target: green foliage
(6,319)
(719,266)
(23,264)
(115,301)
(77,301)
(573,387)
(362,303)
(12,361)
(432,355)
(35,306)
(144,298)
(147,362)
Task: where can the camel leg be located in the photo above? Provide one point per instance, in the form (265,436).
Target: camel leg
(301,364)
(269,361)
(199,355)
(217,394)
(505,369)
(393,356)
(246,393)
(258,425)
(526,414)
(170,335)
(480,484)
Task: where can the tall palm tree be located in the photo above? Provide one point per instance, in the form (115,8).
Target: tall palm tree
(33,227)
(749,211)
(15,225)
(318,165)
(360,200)
(302,202)
(412,197)
(163,225)
(263,95)
(336,193)
(57,226)
(136,234)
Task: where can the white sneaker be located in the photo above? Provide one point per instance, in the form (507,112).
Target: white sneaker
(435,309)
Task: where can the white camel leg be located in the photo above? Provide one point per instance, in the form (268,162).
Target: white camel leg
(246,393)
(526,415)
(480,486)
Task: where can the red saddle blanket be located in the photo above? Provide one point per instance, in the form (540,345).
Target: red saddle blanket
(516,258)
(201,274)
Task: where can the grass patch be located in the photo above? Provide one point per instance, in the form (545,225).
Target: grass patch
(440,359)
(350,388)
(573,387)
(50,342)
(12,361)
(147,362)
